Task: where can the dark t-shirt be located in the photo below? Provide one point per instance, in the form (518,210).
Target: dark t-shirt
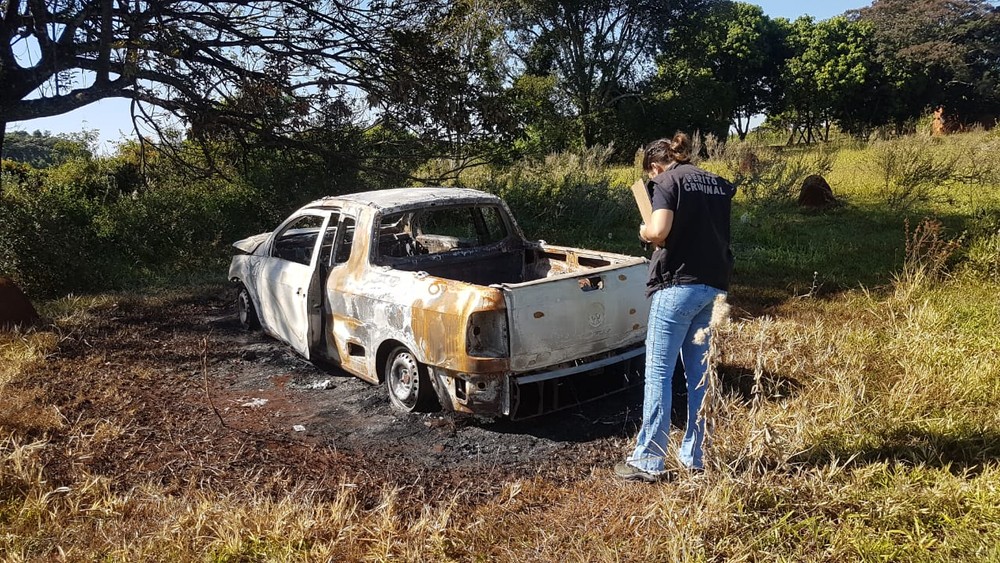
(697,249)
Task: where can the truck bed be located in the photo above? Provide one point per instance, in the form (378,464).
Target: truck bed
(562,303)
(515,266)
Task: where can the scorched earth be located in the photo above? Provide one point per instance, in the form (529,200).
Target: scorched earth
(187,397)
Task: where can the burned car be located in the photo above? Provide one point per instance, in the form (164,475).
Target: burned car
(436,293)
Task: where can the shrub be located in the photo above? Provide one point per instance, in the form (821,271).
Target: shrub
(982,255)
(47,241)
(908,172)
(978,159)
(568,197)
(767,176)
(74,231)
(928,253)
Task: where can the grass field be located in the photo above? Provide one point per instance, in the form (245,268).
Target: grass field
(856,416)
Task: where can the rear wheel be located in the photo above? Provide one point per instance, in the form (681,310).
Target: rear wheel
(246,311)
(407,381)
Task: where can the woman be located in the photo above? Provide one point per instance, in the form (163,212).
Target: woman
(689,268)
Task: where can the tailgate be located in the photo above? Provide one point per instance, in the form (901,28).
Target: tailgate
(573,316)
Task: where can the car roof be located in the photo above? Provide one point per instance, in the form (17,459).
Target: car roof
(395,199)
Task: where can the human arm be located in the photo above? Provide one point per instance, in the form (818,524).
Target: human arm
(658,228)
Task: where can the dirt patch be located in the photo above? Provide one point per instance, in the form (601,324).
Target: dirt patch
(187,397)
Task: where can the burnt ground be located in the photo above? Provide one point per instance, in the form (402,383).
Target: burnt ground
(172,390)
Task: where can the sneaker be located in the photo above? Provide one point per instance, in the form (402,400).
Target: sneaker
(633,473)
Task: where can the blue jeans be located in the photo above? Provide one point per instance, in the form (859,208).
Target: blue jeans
(676,314)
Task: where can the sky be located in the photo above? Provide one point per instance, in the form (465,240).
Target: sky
(112,120)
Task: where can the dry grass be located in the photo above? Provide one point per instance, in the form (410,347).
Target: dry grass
(869,432)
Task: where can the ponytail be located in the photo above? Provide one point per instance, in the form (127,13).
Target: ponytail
(667,151)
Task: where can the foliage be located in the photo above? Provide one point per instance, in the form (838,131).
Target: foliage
(268,73)
(828,75)
(41,150)
(566,198)
(910,173)
(938,53)
(47,239)
(98,223)
(728,60)
(596,51)
(442,82)
(543,116)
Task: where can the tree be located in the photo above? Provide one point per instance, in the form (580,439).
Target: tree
(444,84)
(826,76)
(212,64)
(42,150)
(598,50)
(938,53)
(733,54)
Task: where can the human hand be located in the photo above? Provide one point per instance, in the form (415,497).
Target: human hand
(642,233)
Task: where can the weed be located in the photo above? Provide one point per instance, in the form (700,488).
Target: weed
(927,253)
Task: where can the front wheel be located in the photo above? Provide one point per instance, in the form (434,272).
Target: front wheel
(246,311)
(407,381)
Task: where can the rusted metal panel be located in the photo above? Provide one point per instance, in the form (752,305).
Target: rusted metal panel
(575,315)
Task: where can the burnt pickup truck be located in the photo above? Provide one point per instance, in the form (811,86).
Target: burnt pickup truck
(437,293)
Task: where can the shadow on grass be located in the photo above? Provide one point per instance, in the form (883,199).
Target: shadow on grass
(782,252)
(962,452)
(620,415)
(742,384)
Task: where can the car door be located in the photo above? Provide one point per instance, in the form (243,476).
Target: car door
(289,280)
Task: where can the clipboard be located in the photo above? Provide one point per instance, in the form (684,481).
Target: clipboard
(642,200)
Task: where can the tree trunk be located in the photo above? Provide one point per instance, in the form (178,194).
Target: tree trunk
(3,133)
(741,129)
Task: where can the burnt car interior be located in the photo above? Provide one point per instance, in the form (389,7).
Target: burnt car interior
(470,243)
(297,241)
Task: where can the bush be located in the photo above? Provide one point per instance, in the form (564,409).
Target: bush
(48,243)
(188,227)
(982,255)
(927,253)
(908,172)
(767,176)
(73,228)
(567,198)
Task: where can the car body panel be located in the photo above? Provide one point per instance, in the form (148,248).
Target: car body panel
(553,309)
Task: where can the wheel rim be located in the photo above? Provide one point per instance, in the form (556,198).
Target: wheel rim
(404,380)
(244,307)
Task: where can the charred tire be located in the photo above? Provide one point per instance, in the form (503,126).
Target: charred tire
(245,310)
(407,382)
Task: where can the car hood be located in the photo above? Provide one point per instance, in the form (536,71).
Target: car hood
(249,244)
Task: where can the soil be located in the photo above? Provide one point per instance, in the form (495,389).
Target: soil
(171,389)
